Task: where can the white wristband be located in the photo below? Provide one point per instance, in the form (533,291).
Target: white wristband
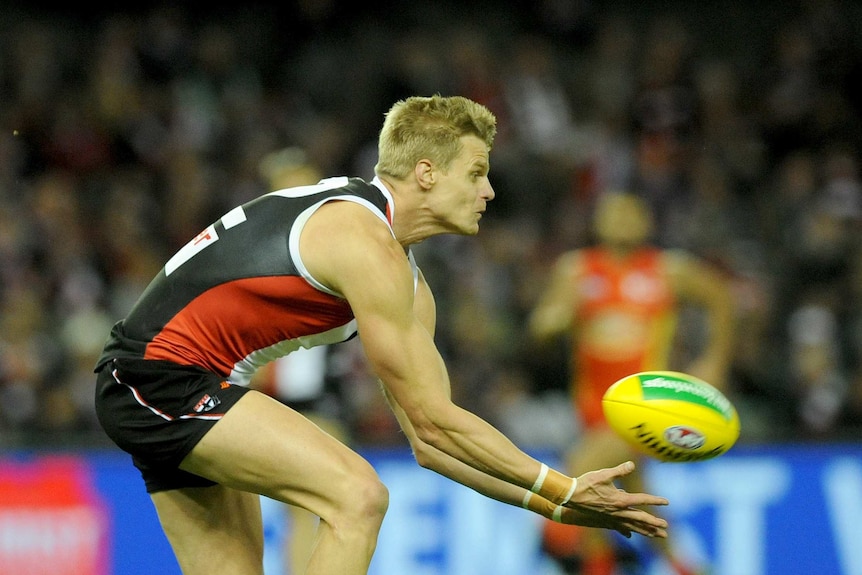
(571,490)
(540,480)
(526,502)
(558,514)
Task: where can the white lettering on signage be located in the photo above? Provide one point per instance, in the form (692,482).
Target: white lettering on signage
(64,539)
(437,527)
(842,487)
(741,491)
(741,514)
(413,536)
(760,509)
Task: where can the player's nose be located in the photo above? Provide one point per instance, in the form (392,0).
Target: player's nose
(488,192)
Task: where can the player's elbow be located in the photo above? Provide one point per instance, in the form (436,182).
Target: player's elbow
(546,326)
(430,433)
(430,427)
(428,455)
(425,455)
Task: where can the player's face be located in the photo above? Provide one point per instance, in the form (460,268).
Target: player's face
(463,191)
(623,221)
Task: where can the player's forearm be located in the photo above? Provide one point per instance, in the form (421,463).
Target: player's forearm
(625,518)
(417,381)
(714,362)
(487,485)
(546,323)
(432,458)
(469,439)
(721,324)
(436,460)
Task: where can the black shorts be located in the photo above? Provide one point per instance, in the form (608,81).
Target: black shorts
(158,411)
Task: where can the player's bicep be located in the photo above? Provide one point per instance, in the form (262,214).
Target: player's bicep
(695,280)
(424,305)
(353,253)
(556,306)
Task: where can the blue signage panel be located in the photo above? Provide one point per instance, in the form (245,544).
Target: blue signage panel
(772,510)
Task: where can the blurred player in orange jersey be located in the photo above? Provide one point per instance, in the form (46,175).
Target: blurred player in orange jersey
(618,302)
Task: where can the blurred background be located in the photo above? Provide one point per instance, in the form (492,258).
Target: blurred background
(125,131)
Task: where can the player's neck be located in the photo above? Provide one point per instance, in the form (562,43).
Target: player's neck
(407,222)
(621,252)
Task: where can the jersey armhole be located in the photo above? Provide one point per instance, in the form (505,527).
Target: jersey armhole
(299,225)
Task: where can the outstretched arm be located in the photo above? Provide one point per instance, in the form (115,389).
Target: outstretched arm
(699,283)
(555,309)
(608,507)
(619,513)
(348,249)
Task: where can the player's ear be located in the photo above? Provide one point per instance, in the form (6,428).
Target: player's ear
(425,174)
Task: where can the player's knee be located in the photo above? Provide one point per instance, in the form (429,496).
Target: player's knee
(373,496)
(364,498)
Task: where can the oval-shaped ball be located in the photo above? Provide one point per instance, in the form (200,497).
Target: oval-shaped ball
(671,416)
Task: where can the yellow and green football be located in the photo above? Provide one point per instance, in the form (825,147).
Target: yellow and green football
(671,416)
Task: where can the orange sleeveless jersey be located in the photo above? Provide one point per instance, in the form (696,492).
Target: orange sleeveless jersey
(624,324)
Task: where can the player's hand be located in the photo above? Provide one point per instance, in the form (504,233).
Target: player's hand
(597,502)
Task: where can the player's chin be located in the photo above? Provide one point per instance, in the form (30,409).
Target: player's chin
(466,228)
(474,226)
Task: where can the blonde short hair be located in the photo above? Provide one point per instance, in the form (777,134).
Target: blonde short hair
(429,128)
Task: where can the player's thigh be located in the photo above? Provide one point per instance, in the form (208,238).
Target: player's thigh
(263,446)
(214,525)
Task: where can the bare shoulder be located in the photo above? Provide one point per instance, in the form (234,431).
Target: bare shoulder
(683,264)
(345,243)
(339,219)
(569,264)
(691,275)
(565,270)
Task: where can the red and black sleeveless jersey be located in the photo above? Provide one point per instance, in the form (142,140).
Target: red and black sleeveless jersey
(238,295)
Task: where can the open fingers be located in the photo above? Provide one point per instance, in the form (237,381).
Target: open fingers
(626,521)
(628,527)
(642,522)
(597,488)
(640,499)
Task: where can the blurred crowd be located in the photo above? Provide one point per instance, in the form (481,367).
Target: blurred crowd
(124,133)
